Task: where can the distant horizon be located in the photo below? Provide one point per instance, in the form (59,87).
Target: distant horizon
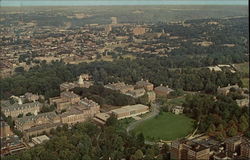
(20,3)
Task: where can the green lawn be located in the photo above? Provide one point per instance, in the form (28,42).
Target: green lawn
(166,126)
(243,67)
(177,101)
(245,82)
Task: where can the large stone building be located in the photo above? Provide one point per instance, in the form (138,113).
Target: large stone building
(101,118)
(204,147)
(16,109)
(31,97)
(5,130)
(226,90)
(145,84)
(130,111)
(237,147)
(28,122)
(120,86)
(35,125)
(65,100)
(233,144)
(151,96)
(80,111)
(83,82)
(245,149)
(136,93)
(189,150)
(11,145)
(162,90)
(76,110)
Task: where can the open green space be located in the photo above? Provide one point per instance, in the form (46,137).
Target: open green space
(245,82)
(165,126)
(177,101)
(125,122)
(243,67)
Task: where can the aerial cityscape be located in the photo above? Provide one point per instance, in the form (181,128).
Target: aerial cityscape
(124,80)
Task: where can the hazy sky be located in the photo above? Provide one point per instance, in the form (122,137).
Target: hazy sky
(119,2)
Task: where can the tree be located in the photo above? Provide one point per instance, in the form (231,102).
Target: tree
(112,120)
(232,131)
(138,155)
(140,139)
(20,115)
(243,119)
(243,127)
(220,136)
(211,129)
(19,70)
(29,114)
(220,127)
(143,99)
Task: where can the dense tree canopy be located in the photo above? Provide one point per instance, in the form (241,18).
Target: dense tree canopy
(176,72)
(86,141)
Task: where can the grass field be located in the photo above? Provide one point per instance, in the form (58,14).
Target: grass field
(245,82)
(166,126)
(177,101)
(244,68)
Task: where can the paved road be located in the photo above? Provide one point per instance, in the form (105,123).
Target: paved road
(154,111)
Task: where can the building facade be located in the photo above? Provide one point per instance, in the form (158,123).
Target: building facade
(130,111)
(145,84)
(189,150)
(162,90)
(16,109)
(5,130)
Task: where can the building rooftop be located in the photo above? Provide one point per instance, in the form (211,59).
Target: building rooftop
(26,119)
(178,107)
(42,126)
(17,106)
(228,87)
(69,94)
(196,146)
(129,108)
(102,116)
(40,139)
(233,139)
(164,89)
(68,85)
(143,82)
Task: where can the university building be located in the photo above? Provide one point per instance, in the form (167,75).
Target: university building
(16,109)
